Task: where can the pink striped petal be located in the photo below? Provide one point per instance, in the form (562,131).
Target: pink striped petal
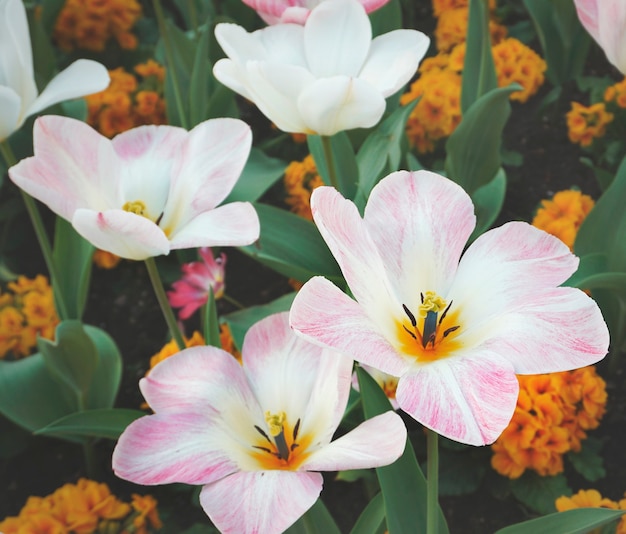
(555,330)
(64,178)
(322,313)
(261,502)
(123,233)
(234,224)
(172,447)
(293,15)
(374,443)
(197,379)
(469,399)
(420,223)
(588,14)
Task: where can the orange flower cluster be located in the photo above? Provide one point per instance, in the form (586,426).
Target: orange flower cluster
(128,101)
(563,215)
(301,179)
(517,63)
(439,6)
(616,93)
(84,508)
(26,311)
(552,415)
(451,28)
(592,499)
(586,123)
(90,24)
(105,260)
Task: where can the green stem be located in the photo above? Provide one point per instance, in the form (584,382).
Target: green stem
(330,161)
(193,15)
(170,319)
(171,66)
(233,301)
(90,460)
(432,477)
(40,232)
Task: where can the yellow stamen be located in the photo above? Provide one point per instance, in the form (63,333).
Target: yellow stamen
(431,303)
(137,207)
(275,422)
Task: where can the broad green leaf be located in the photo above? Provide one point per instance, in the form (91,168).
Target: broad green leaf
(589,265)
(343,161)
(540,492)
(72,256)
(200,80)
(402,483)
(72,358)
(103,423)
(29,396)
(603,230)
(211,327)
(479,72)
(381,151)
(44,62)
(292,246)
(108,375)
(195,12)
(578,521)
(259,174)
(50,10)
(240,321)
(473,149)
(372,518)
(387,18)
(589,461)
(316,519)
(488,200)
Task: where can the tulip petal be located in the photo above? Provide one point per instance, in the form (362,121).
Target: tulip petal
(172,447)
(319,379)
(554,330)
(10,103)
(611,26)
(65,178)
(322,313)
(294,15)
(262,501)
(234,224)
(393,60)
(329,105)
(469,399)
(337,37)
(374,443)
(232,76)
(588,14)
(196,379)
(123,233)
(420,224)
(83,77)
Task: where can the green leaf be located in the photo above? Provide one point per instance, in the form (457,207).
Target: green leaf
(589,461)
(108,375)
(479,71)
(540,492)
(72,255)
(460,473)
(240,321)
(402,483)
(372,518)
(200,79)
(211,327)
(387,18)
(292,246)
(103,423)
(343,161)
(72,358)
(473,149)
(589,265)
(578,521)
(488,200)
(259,174)
(603,230)
(50,10)
(381,152)
(316,519)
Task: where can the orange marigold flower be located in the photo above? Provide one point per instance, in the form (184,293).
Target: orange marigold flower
(451,29)
(90,24)
(148,515)
(151,68)
(301,178)
(585,124)
(563,215)
(105,259)
(616,93)
(439,6)
(552,414)
(517,63)
(227,341)
(584,499)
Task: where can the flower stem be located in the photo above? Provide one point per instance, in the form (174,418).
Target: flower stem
(40,232)
(330,161)
(171,65)
(233,301)
(168,314)
(432,476)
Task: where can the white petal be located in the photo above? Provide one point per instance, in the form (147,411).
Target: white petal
(10,103)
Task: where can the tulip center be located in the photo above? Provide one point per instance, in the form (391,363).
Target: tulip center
(281,446)
(136,206)
(430,335)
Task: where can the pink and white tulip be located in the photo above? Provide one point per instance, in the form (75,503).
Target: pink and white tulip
(192,291)
(605,20)
(324,77)
(19,98)
(149,190)
(454,329)
(296,11)
(253,435)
